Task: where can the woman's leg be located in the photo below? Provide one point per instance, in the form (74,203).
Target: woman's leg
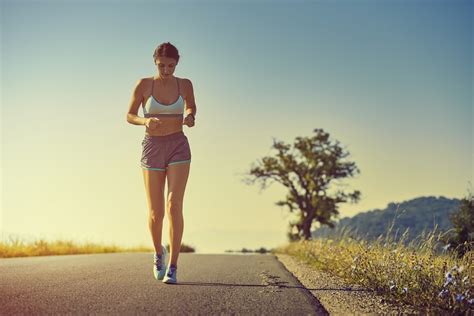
(177,178)
(154,187)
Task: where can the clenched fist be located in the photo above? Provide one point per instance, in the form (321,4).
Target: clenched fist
(189,120)
(153,122)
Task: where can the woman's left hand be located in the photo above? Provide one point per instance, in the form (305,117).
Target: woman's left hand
(189,120)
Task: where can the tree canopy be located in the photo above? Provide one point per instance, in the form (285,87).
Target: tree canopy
(307,169)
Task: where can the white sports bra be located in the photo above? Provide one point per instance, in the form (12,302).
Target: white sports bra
(153,108)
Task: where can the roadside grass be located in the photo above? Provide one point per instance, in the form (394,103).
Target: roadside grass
(14,246)
(415,273)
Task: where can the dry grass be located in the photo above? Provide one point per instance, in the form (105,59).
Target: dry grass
(16,247)
(415,274)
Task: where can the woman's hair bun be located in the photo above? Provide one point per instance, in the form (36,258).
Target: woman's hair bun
(166,50)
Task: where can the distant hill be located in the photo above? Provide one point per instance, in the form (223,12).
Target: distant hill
(418,214)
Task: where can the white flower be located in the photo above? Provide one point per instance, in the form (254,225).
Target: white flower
(443,292)
(449,278)
(392,284)
(405,290)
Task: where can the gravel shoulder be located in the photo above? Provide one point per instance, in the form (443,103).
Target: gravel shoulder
(338,297)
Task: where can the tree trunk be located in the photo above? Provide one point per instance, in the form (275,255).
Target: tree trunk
(307,228)
(308,221)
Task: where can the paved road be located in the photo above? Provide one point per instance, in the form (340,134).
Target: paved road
(123,283)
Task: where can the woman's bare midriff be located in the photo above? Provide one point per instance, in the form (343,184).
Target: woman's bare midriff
(169,125)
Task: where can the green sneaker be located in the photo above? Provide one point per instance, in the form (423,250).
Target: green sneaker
(159,266)
(170,276)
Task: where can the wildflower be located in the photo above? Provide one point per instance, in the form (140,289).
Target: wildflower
(443,292)
(459,297)
(449,277)
(405,290)
(392,284)
(471,301)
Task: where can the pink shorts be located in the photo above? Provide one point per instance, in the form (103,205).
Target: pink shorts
(158,152)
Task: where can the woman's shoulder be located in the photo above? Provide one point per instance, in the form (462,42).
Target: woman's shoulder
(184,82)
(144,81)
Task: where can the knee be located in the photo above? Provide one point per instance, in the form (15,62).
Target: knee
(175,199)
(156,216)
(175,204)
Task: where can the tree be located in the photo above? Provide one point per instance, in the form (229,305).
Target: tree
(307,171)
(462,239)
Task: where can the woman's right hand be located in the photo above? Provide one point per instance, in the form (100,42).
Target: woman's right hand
(152,122)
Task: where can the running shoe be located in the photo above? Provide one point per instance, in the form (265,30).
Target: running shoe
(170,276)
(159,266)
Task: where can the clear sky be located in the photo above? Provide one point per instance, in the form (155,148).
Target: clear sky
(390,80)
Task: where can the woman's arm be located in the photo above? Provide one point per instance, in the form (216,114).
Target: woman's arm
(189,99)
(135,102)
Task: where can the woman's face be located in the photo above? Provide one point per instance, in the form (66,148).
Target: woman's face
(166,66)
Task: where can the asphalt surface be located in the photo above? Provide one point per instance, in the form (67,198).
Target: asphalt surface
(123,283)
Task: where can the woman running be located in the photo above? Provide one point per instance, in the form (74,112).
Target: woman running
(165,152)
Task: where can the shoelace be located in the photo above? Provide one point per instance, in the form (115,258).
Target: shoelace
(158,262)
(171,271)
